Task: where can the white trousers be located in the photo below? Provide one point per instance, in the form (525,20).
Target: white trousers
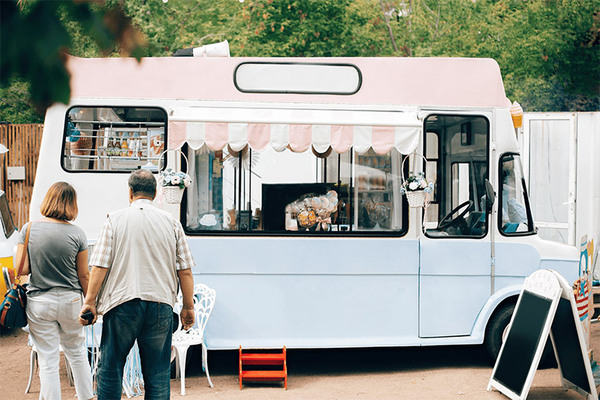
(53,319)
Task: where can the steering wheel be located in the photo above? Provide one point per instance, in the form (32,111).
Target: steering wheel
(448,221)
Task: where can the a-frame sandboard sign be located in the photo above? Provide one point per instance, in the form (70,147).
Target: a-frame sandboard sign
(568,340)
(546,306)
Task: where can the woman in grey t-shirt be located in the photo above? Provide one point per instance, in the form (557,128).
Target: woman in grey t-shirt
(59,272)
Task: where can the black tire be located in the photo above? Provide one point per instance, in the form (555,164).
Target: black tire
(495,330)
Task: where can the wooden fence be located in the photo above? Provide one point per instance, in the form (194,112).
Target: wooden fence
(23,143)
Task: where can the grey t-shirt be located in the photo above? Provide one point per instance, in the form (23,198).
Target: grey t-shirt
(53,249)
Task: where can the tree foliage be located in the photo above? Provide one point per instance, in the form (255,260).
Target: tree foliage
(548,50)
(36,37)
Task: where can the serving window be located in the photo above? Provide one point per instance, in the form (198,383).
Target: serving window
(289,193)
(119,139)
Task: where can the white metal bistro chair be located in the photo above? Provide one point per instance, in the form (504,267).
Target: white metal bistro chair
(204,300)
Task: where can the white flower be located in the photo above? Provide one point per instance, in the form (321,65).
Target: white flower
(423,184)
(172,178)
(413,185)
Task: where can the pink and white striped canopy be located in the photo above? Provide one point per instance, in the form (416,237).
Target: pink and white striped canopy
(298,129)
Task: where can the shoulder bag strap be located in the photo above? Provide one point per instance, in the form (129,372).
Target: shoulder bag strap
(22,260)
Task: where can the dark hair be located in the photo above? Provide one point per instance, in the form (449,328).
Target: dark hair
(60,202)
(142,182)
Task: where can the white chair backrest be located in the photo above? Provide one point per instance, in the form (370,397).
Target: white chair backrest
(204,301)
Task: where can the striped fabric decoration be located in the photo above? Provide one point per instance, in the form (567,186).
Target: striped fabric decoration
(295,128)
(582,298)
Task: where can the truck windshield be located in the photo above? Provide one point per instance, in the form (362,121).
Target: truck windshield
(515,217)
(7,221)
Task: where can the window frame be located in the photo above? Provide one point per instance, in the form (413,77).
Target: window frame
(531,229)
(297,234)
(107,171)
(6,217)
(471,171)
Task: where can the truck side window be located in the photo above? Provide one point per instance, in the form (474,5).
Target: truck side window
(113,138)
(7,221)
(288,193)
(515,214)
(457,148)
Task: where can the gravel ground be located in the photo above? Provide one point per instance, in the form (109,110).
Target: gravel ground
(398,373)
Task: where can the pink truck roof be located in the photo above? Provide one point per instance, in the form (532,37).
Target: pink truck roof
(447,82)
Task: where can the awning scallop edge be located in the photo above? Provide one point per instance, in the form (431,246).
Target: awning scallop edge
(298,129)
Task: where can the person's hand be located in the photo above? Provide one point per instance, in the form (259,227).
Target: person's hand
(188,318)
(90,308)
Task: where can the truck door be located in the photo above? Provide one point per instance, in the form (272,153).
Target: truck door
(455,248)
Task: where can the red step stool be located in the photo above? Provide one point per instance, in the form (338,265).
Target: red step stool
(258,358)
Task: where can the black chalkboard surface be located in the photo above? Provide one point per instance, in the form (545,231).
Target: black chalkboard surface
(546,306)
(567,346)
(517,356)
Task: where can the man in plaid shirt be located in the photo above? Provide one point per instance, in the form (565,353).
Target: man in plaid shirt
(139,258)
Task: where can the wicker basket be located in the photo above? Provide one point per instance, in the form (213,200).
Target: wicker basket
(173,194)
(416,198)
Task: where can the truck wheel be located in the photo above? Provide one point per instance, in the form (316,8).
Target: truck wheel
(496,333)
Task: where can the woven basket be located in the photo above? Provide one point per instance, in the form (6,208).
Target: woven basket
(173,194)
(416,198)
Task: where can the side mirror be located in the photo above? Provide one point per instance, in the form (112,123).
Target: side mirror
(490,196)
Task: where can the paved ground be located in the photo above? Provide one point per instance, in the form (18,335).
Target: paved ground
(407,373)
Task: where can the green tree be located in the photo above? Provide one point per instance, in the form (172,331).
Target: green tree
(35,40)
(275,28)
(548,50)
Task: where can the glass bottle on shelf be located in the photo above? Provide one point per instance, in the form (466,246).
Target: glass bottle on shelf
(124,147)
(130,145)
(109,147)
(135,144)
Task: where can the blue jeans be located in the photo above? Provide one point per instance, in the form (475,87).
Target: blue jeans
(152,325)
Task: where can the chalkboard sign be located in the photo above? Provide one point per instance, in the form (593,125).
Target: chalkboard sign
(567,346)
(528,332)
(568,340)
(523,341)
(546,306)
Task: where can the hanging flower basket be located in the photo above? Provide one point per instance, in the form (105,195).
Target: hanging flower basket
(416,187)
(173,183)
(173,194)
(416,198)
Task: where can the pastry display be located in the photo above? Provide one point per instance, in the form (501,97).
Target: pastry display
(314,209)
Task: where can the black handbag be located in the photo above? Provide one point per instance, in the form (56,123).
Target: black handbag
(12,309)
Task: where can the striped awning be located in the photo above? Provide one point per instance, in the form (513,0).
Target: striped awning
(298,129)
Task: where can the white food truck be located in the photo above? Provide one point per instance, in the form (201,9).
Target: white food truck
(297,214)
